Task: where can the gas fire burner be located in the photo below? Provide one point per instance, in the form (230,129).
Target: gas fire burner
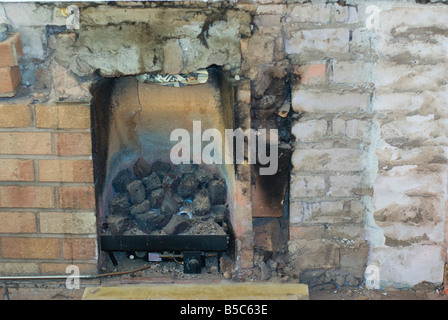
(191,249)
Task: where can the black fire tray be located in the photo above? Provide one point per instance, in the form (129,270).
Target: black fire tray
(151,243)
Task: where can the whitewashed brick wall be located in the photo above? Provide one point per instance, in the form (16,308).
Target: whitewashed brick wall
(374,133)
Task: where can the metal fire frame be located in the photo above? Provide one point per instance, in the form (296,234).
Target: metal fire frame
(152,243)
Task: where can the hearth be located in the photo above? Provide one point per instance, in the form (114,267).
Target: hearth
(149,206)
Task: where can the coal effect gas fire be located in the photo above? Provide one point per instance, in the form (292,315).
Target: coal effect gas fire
(164,199)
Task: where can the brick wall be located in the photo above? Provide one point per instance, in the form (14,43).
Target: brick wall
(331,183)
(409,204)
(10,77)
(368,96)
(368,184)
(47,200)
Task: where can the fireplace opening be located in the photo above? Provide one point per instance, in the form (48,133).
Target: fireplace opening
(158,194)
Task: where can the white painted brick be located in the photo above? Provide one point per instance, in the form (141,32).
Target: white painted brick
(271,9)
(409,202)
(326,40)
(309,131)
(424,232)
(332,206)
(354,72)
(307,186)
(353,129)
(328,102)
(393,77)
(411,48)
(361,42)
(407,186)
(413,102)
(401,18)
(297,213)
(408,266)
(416,130)
(338,126)
(310,13)
(398,102)
(319,212)
(340,160)
(345,185)
(28,14)
(358,129)
(389,156)
(346,14)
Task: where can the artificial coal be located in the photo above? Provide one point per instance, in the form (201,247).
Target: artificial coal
(165,199)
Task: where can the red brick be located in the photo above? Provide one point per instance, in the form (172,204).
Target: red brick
(27,197)
(311,74)
(79,249)
(25,142)
(67,222)
(71,116)
(11,51)
(10,78)
(77,198)
(73,144)
(17,222)
(15,115)
(30,248)
(16,170)
(66,170)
